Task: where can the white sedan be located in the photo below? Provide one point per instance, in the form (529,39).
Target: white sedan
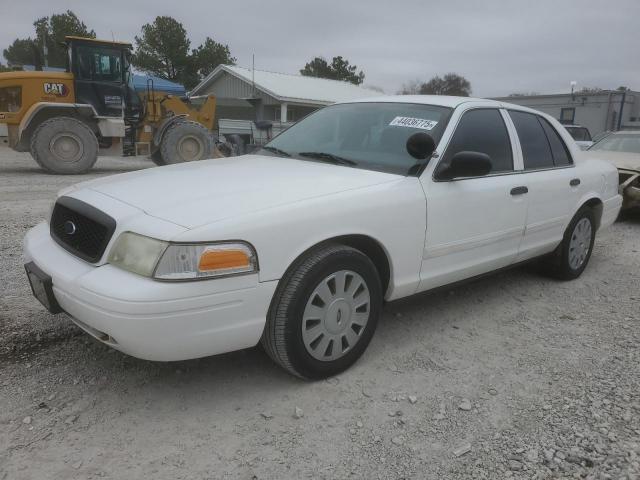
(298,246)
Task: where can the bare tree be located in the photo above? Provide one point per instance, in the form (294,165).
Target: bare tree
(412,87)
(449,84)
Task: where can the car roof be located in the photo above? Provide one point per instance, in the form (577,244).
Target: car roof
(442,101)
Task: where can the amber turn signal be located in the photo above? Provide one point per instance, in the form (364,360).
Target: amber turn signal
(218,259)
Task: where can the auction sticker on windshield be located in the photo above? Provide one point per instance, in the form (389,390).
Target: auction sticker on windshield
(413,123)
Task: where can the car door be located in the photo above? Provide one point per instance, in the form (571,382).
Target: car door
(474,225)
(551,180)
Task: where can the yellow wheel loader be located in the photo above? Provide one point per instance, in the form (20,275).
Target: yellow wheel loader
(65,118)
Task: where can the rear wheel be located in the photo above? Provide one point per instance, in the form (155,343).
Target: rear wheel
(573,254)
(64,145)
(185,141)
(324,313)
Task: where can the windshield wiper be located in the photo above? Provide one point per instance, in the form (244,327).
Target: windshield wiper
(277,151)
(329,158)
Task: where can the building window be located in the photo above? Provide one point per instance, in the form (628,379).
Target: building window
(291,116)
(567,115)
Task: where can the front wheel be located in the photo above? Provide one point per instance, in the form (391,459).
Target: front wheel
(573,254)
(185,141)
(324,312)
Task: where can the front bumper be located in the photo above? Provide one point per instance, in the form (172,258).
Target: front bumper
(150,319)
(630,188)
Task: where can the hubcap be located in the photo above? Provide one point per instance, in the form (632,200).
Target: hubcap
(66,147)
(190,148)
(580,243)
(336,315)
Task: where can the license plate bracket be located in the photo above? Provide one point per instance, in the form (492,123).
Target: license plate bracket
(42,287)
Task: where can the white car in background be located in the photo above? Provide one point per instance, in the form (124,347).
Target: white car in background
(298,246)
(581,135)
(623,150)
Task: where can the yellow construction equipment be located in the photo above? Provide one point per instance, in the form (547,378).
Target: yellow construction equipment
(64,118)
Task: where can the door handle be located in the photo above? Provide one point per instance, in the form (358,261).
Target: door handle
(574,182)
(519,190)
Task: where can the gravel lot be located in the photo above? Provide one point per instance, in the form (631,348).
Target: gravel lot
(514,376)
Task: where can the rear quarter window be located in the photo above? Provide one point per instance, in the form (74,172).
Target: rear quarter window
(559,150)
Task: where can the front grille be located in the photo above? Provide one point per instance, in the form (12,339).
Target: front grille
(81,229)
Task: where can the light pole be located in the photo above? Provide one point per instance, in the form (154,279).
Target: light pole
(573,86)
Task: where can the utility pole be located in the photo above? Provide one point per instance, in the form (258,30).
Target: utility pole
(45,51)
(624,97)
(253,74)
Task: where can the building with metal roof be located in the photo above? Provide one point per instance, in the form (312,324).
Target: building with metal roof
(246,94)
(599,111)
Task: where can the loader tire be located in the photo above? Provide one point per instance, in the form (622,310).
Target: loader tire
(64,145)
(156,158)
(185,141)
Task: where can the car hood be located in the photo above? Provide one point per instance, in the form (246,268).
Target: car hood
(197,193)
(624,160)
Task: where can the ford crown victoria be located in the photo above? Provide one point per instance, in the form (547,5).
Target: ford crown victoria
(299,245)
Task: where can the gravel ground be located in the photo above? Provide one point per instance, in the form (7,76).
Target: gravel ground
(514,376)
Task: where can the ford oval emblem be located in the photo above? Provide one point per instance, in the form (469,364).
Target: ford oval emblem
(69,227)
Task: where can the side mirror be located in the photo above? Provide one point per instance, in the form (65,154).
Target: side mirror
(465,164)
(420,145)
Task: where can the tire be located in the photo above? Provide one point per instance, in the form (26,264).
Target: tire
(572,255)
(185,141)
(156,158)
(64,145)
(238,144)
(315,348)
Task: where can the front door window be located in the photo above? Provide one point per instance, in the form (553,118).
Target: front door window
(482,130)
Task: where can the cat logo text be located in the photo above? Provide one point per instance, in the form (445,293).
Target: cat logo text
(57,89)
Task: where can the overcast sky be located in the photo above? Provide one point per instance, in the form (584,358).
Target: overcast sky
(500,46)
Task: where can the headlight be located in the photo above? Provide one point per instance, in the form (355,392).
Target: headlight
(192,261)
(50,210)
(136,253)
(173,261)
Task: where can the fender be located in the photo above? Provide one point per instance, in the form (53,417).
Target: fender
(587,198)
(599,192)
(84,110)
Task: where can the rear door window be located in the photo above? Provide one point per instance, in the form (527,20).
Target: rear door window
(536,150)
(483,130)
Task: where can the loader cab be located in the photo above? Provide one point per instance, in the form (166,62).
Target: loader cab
(102,74)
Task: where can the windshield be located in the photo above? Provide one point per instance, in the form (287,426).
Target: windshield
(580,134)
(372,136)
(624,142)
